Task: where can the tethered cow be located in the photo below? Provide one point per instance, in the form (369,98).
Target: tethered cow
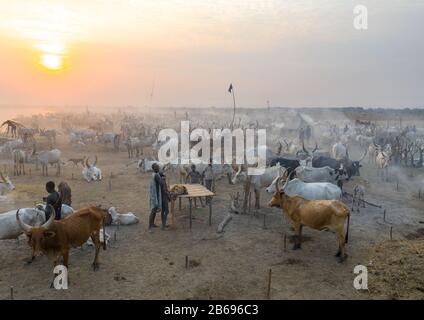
(55,238)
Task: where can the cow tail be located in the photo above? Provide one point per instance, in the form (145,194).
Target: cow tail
(347,229)
(104,232)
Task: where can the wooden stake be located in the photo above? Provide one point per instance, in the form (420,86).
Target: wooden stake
(391,233)
(384,215)
(264,221)
(269,284)
(72,177)
(11,293)
(397,185)
(285,242)
(186,262)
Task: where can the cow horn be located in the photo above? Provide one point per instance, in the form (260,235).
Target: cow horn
(50,221)
(366,151)
(316,147)
(287,145)
(2,176)
(287,179)
(277,184)
(86,162)
(23,225)
(95,161)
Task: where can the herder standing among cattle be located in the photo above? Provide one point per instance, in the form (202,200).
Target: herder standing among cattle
(54,199)
(159,197)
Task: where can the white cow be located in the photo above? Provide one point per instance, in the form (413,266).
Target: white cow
(66,210)
(310,191)
(9,228)
(5,184)
(91,172)
(257,182)
(122,218)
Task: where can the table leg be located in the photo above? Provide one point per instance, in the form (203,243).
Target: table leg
(190,201)
(172,211)
(210,211)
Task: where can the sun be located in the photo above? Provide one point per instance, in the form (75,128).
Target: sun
(53,62)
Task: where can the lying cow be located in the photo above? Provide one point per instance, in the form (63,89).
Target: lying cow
(91,172)
(9,228)
(122,218)
(316,214)
(56,238)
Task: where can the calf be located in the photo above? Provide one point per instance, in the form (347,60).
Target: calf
(19,157)
(316,214)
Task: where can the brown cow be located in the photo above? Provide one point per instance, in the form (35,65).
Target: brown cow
(316,214)
(56,237)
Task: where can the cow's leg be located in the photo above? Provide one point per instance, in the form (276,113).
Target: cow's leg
(341,255)
(297,239)
(23,168)
(95,237)
(257,198)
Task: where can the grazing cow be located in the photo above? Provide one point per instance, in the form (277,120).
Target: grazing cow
(316,214)
(257,182)
(310,191)
(324,174)
(9,228)
(91,172)
(65,193)
(133,146)
(110,137)
(19,157)
(56,238)
(5,184)
(48,157)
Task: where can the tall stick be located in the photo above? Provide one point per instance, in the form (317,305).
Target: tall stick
(234,104)
(268,294)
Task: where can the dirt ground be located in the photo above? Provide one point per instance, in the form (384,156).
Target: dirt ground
(232,265)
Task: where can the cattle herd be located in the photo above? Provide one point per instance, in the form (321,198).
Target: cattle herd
(313,173)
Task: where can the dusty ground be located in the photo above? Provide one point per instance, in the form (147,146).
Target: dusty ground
(234,265)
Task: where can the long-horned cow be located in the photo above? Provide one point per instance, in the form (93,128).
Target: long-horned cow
(316,214)
(91,172)
(56,238)
(48,157)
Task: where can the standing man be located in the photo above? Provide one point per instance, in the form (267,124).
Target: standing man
(209,178)
(53,199)
(195,177)
(158,197)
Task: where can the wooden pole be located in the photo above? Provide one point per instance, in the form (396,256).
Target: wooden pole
(269,284)
(384,215)
(11,293)
(391,232)
(285,242)
(264,221)
(190,205)
(186,262)
(210,211)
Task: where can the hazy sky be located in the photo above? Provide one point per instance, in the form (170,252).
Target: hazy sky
(290,52)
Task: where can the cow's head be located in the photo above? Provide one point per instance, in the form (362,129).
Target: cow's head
(91,172)
(37,236)
(240,176)
(278,197)
(9,185)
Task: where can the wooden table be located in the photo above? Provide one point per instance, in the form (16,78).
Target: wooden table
(193,191)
